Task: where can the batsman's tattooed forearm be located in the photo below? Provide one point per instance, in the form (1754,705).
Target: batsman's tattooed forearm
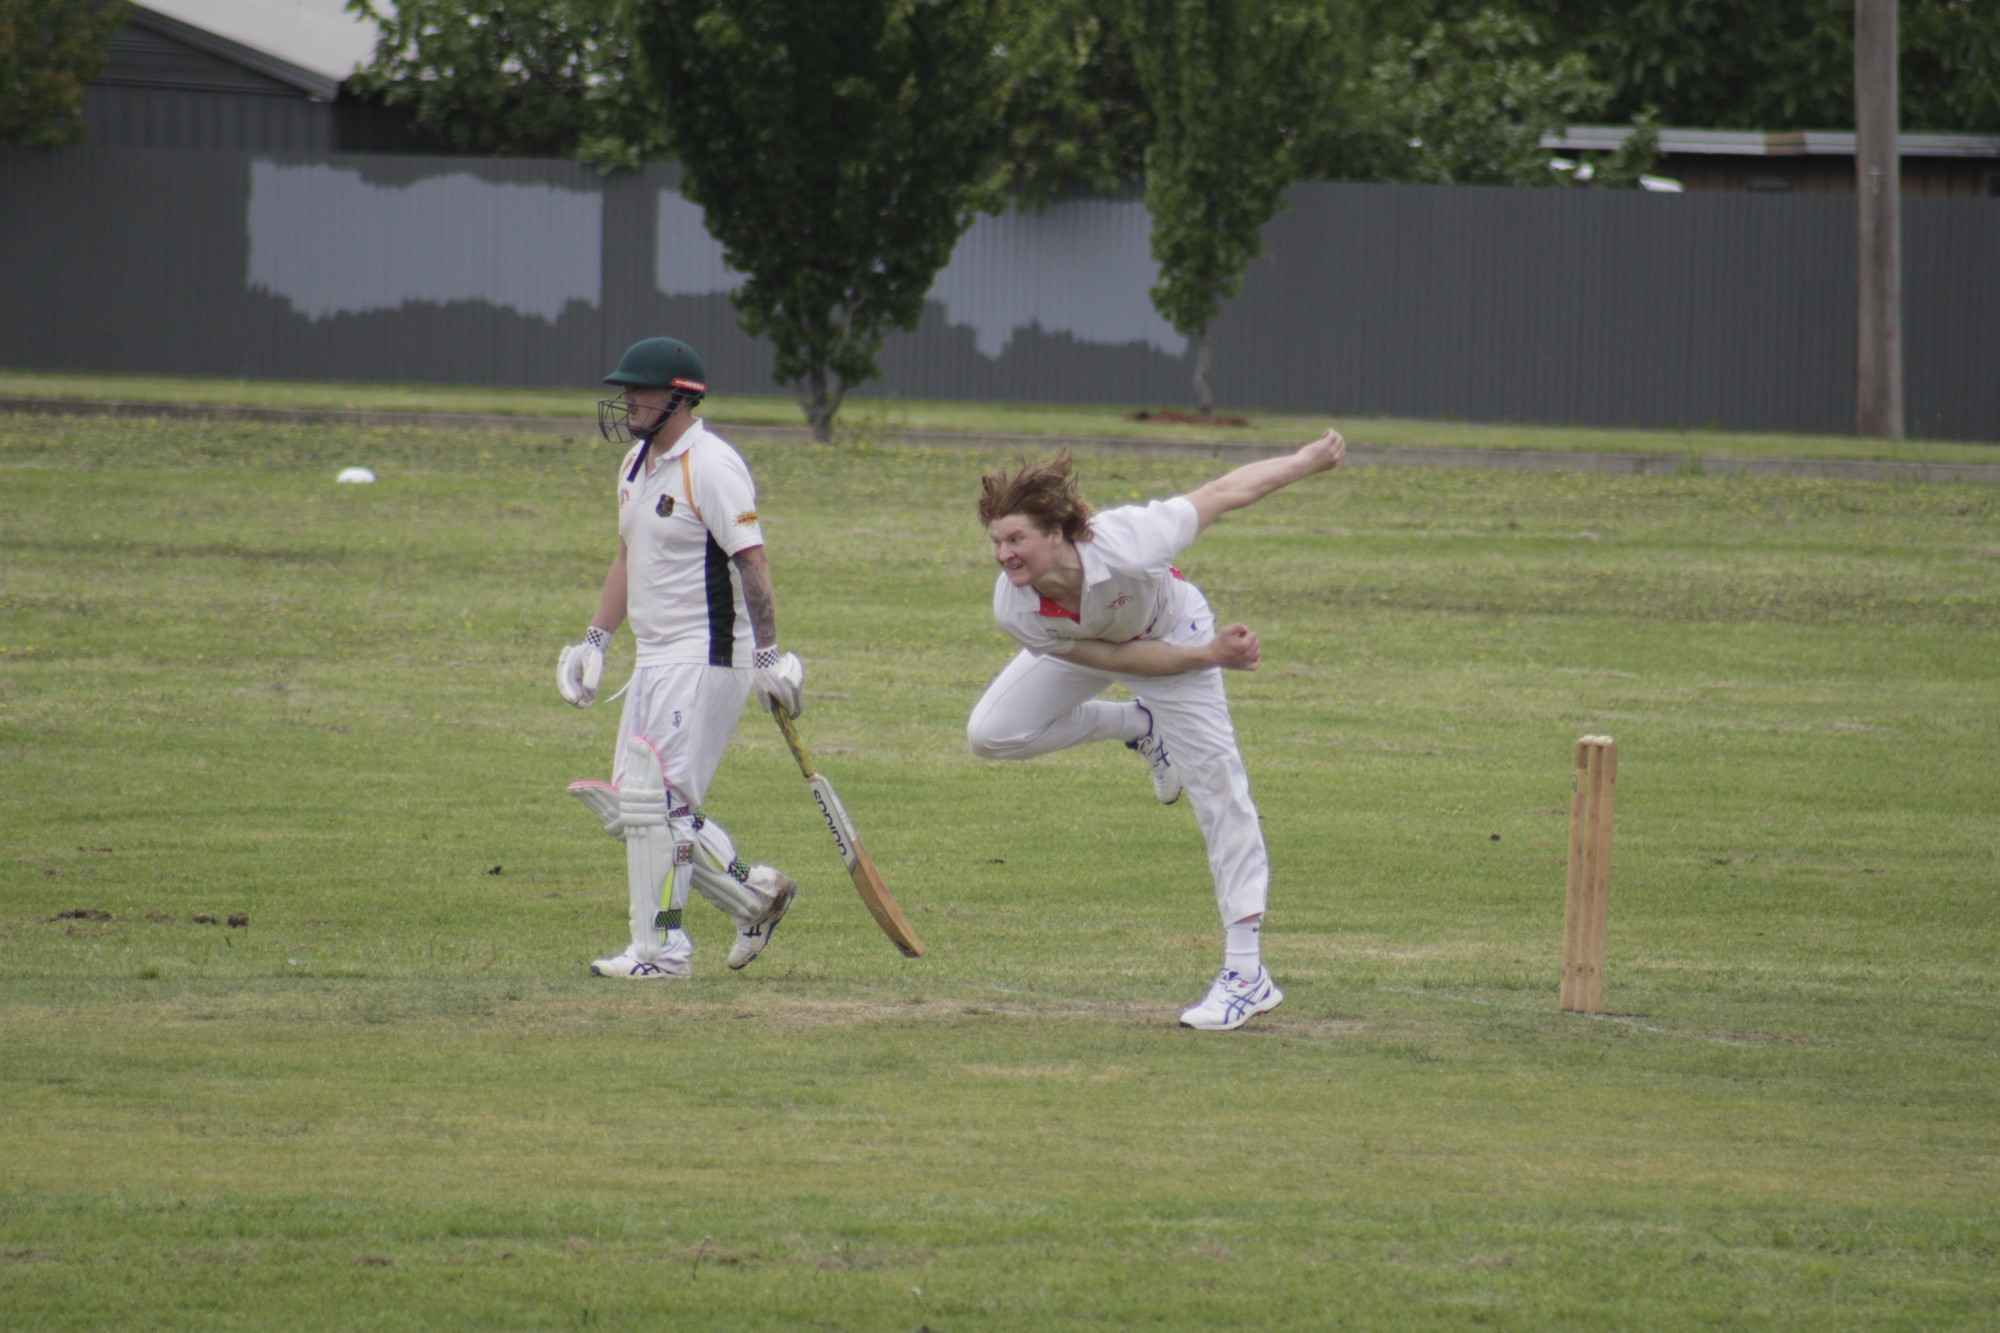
(757,594)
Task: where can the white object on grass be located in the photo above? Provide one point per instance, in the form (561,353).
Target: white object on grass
(355,474)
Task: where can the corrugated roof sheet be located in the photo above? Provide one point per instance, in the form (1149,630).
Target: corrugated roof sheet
(312,43)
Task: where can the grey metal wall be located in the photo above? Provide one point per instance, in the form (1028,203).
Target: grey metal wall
(177,118)
(1495,304)
(1575,307)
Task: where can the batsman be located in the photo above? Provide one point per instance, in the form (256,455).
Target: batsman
(691,576)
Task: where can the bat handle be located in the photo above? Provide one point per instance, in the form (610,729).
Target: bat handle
(792,741)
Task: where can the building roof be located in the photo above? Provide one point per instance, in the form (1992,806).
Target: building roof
(311,44)
(1774,143)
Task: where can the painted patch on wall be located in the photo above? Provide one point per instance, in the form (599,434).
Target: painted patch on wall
(687,261)
(451,238)
(1083,268)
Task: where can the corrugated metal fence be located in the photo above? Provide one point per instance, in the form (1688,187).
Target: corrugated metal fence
(1732,311)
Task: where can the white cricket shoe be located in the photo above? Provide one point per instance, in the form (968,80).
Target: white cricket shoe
(752,936)
(1152,749)
(673,963)
(1233,1000)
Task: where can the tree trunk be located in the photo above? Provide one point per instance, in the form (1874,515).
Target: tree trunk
(1204,397)
(817,403)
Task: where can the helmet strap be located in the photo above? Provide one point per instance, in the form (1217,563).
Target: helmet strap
(639,459)
(675,402)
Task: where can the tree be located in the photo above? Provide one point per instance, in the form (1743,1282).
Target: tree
(838,152)
(1949,71)
(1235,87)
(520,78)
(1468,101)
(50,49)
(1077,119)
(1775,66)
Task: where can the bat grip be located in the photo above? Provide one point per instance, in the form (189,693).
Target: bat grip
(792,741)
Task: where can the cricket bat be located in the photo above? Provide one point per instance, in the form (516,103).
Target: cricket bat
(861,869)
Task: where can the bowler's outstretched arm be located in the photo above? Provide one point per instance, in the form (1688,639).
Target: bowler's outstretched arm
(1253,481)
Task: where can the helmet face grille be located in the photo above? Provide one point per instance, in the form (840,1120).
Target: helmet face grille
(614,415)
(614,420)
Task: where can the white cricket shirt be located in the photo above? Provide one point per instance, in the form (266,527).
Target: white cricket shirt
(681,521)
(1131,589)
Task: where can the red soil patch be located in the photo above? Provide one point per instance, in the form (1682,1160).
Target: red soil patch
(1189,419)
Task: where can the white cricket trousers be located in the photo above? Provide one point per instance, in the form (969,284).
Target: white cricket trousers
(687,713)
(1041,704)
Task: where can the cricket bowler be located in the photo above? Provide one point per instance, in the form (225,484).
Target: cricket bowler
(1094,600)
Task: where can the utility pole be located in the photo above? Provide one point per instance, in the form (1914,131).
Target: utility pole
(1878,184)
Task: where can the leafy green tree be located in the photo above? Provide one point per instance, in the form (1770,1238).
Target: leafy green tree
(1708,62)
(1077,119)
(49,49)
(838,153)
(1779,64)
(1468,102)
(1236,88)
(1625,166)
(1949,80)
(520,78)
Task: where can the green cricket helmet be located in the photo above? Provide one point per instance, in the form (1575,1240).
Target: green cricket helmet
(652,363)
(660,363)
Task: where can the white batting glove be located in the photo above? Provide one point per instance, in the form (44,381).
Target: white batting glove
(581,667)
(781,678)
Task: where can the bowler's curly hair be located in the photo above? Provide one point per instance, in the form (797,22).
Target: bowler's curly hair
(1044,493)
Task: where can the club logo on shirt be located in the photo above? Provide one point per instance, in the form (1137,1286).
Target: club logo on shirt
(746,518)
(665,507)
(1117,602)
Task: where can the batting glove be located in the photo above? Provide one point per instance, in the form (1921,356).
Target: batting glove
(781,678)
(581,667)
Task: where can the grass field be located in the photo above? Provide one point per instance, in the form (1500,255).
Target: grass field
(866,420)
(390,1097)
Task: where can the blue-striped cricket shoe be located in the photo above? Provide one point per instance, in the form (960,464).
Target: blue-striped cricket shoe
(673,963)
(1233,1000)
(752,936)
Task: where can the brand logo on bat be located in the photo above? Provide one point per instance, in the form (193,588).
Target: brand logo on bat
(827,808)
